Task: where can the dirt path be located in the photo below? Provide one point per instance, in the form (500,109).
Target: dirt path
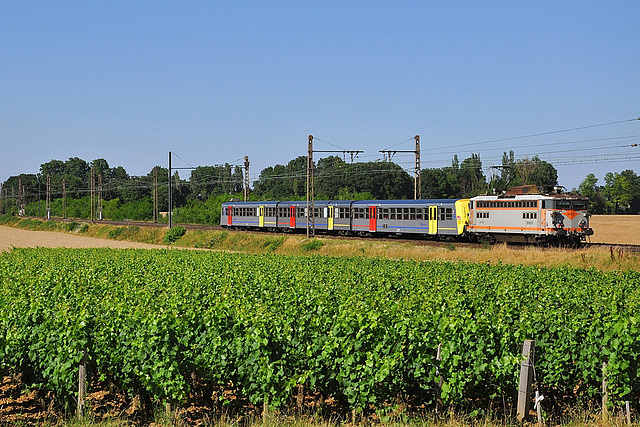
(18,238)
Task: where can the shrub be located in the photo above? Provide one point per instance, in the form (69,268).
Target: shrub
(312,245)
(174,234)
(272,244)
(71,226)
(116,232)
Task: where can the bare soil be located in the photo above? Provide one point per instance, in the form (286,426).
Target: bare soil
(19,238)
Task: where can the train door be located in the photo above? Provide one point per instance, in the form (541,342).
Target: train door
(433,220)
(229,215)
(261,216)
(330,211)
(292,216)
(373,216)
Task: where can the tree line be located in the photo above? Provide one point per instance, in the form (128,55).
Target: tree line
(77,189)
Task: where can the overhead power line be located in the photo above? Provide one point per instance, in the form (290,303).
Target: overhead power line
(543,133)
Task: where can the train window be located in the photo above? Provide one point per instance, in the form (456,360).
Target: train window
(579,205)
(392,213)
(405,213)
(448,213)
(419,213)
(563,204)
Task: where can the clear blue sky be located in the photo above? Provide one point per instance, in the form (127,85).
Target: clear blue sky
(214,81)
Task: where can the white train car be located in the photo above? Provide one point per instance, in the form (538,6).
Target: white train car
(524,215)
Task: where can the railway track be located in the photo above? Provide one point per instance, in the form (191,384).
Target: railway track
(614,247)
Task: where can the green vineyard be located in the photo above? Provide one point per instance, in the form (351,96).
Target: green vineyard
(362,331)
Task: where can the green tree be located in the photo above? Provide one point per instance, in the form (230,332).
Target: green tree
(283,182)
(534,172)
(471,178)
(590,189)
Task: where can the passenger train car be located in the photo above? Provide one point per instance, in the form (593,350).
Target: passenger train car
(441,217)
(521,215)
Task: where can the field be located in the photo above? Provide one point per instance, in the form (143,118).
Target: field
(480,310)
(357,334)
(617,229)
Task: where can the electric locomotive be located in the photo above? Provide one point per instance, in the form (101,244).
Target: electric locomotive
(524,215)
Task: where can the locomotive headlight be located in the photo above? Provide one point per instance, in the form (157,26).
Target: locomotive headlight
(583,224)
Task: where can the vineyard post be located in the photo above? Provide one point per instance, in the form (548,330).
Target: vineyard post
(82,383)
(438,388)
(605,394)
(300,398)
(628,412)
(526,378)
(265,408)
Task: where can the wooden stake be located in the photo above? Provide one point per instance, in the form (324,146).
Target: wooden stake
(626,405)
(265,409)
(82,383)
(300,398)
(526,378)
(438,388)
(605,394)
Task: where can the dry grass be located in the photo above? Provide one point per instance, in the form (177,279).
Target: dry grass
(610,229)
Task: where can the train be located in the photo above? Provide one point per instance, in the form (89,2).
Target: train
(519,215)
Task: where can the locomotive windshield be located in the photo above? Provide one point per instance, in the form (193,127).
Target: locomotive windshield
(576,205)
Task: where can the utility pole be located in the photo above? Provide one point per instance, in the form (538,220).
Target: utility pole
(100,196)
(310,189)
(246,179)
(64,198)
(1,199)
(170,204)
(48,203)
(21,197)
(91,192)
(39,187)
(417,182)
(155,194)
(310,192)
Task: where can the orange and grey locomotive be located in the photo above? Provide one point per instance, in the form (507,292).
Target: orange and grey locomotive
(523,215)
